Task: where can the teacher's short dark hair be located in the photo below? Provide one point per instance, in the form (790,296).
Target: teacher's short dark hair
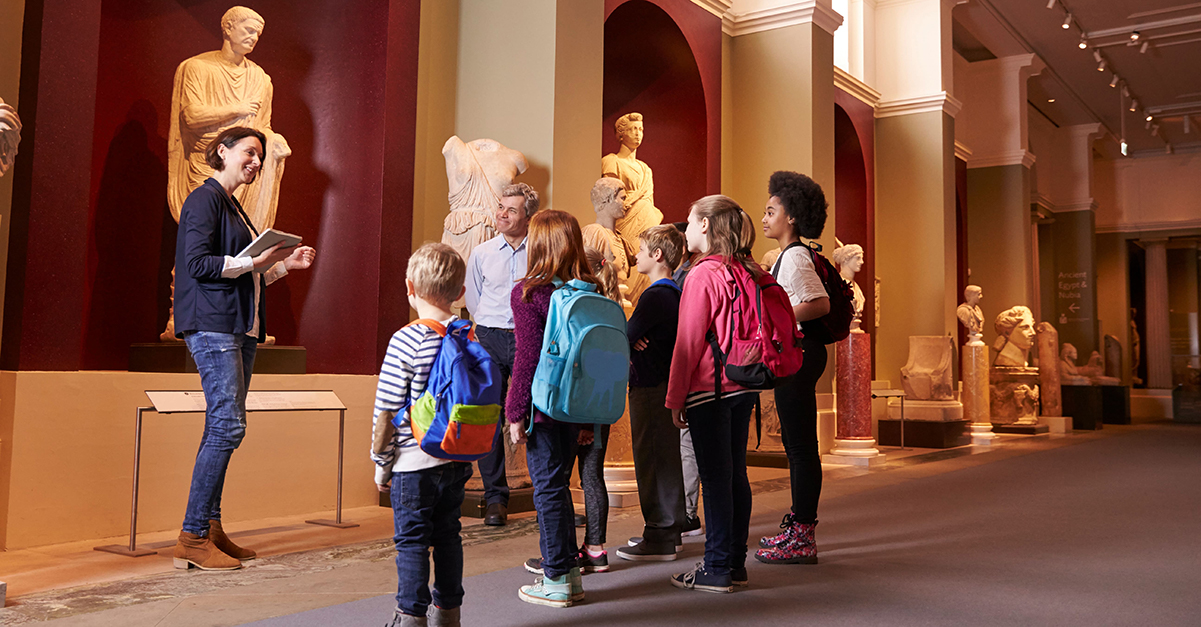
(228,138)
(803,201)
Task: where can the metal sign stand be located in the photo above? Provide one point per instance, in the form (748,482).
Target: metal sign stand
(186,402)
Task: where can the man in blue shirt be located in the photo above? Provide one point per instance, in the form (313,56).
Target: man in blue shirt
(493,269)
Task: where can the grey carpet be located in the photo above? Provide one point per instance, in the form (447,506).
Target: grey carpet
(1102,533)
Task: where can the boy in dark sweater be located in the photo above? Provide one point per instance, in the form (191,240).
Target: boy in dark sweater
(652,335)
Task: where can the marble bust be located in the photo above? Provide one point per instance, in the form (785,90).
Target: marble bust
(969,313)
(10,135)
(1015,331)
(850,261)
(641,213)
(477,172)
(214,91)
(608,201)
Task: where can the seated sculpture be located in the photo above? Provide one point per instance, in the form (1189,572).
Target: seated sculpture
(927,374)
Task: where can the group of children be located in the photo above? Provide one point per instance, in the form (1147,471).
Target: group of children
(674,385)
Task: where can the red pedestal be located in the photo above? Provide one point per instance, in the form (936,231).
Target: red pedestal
(854,363)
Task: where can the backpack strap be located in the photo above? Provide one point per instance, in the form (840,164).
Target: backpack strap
(775,268)
(436,326)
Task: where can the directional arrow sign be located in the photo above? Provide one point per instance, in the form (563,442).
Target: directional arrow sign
(1072,308)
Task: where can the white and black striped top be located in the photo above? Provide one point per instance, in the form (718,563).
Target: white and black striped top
(405,371)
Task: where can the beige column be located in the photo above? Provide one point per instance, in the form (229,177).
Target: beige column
(1157,337)
(915,177)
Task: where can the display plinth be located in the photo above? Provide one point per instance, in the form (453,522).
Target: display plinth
(621,483)
(1115,404)
(475,505)
(853,441)
(1085,405)
(175,357)
(925,434)
(1021,429)
(973,393)
(1058,424)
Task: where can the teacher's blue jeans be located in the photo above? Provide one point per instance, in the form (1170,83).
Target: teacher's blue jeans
(225,362)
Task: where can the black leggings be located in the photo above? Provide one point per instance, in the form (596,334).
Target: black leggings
(591,460)
(796,405)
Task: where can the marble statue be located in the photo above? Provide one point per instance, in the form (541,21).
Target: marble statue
(10,136)
(477,172)
(770,257)
(1092,373)
(1049,375)
(1113,357)
(969,313)
(927,375)
(1015,331)
(876,300)
(214,91)
(608,201)
(641,213)
(850,261)
(1069,372)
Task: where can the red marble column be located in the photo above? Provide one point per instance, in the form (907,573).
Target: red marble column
(853,442)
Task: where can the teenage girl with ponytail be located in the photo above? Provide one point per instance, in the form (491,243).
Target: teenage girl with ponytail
(720,234)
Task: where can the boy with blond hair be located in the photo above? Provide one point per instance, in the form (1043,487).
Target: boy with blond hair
(426,492)
(652,334)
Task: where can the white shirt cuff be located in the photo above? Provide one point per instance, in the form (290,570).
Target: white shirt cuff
(236,267)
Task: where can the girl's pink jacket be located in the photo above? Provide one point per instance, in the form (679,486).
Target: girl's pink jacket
(705,304)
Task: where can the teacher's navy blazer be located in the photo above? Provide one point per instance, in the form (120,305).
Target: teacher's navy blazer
(211,226)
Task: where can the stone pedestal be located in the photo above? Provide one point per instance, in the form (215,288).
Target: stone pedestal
(927,424)
(853,442)
(974,391)
(1013,396)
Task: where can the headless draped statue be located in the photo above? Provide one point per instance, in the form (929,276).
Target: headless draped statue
(10,136)
(214,91)
(641,213)
(477,172)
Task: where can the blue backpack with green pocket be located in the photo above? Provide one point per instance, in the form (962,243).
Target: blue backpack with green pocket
(584,366)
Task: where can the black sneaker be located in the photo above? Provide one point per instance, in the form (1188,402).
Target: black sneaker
(589,564)
(701,579)
(691,527)
(738,577)
(534,565)
(636,540)
(648,552)
(581,520)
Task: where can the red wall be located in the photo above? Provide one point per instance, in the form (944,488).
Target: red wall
(663,59)
(855,192)
(345,99)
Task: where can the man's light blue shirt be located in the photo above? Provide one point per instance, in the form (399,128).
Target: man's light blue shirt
(492,271)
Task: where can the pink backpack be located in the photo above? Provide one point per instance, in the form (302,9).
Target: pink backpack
(764,342)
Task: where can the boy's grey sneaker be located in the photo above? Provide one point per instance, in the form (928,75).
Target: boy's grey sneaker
(738,577)
(636,540)
(400,619)
(534,565)
(700,579)
(647,552)
(439,617)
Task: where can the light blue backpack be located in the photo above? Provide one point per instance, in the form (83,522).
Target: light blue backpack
(585,362)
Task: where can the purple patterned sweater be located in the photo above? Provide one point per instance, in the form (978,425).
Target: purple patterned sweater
(529,321)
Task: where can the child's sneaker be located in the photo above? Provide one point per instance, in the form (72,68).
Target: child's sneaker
(550,592)
(577,585)
(534,565)
(400,619)
(592,564)
(738,577)
(636,540)
(691,527)
(647,552)
(701,579)
(801,548)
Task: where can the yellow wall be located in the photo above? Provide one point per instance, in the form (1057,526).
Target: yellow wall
(437,71)
(1113,293)
(999,246)
(915,234)
(69,439)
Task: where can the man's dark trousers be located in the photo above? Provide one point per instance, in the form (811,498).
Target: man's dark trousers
(501,345)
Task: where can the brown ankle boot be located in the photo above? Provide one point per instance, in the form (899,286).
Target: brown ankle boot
(193,550)
(227,546)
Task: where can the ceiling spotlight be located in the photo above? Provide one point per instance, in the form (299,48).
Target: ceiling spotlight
(1167,149)
(1134,36)
(1096,55)
(1148,124)
(1150,117)
(1083,42)
(1125,90)
(1113,82)
(1188,125)
(1050,4)
(1101,66)
(1143,49)
(1154,130)
(1134,105)
(1067,22)
(1053,100)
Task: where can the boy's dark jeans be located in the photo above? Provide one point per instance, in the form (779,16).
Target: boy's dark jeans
(426,505)
(719,434)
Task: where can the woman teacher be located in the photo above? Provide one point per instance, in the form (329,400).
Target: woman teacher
(219,314)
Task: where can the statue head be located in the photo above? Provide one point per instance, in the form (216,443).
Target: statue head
(1017,325)
(849,259)
(1068,353)
(972,295)
(241,28)
(609,198)
(629,130)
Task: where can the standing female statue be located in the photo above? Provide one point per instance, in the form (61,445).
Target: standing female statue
(641,213)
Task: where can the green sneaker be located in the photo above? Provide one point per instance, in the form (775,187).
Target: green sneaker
(554,592)
(577,584)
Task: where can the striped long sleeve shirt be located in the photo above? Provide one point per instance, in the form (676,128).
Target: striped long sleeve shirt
(405,372)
